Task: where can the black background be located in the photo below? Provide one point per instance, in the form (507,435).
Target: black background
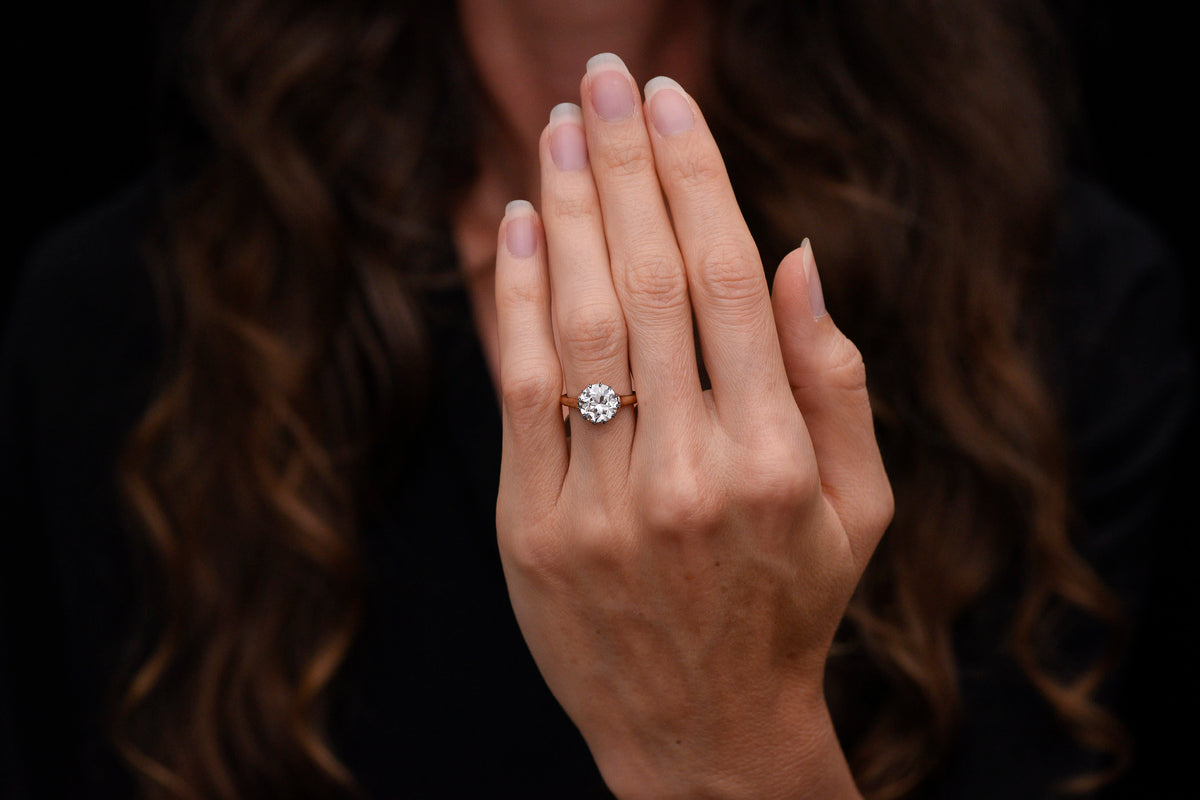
(80,115)
(80,111)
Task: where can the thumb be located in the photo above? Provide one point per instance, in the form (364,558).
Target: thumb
(828,380)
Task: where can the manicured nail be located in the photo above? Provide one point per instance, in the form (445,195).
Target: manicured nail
(567,146)
(519,236)
(816,300)
(667,107)
(611,87)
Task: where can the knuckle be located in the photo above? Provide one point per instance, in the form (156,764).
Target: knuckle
(696,169)
(845,366)
(657,282)
(533,552)
(626,157)
(600,547)
(527,389)
(729,273)
(527,534)
(573,206)
(593,332)
(883,507)
(779,479)
(678,501)
(520,292)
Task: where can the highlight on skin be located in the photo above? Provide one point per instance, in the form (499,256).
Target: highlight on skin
(326,145)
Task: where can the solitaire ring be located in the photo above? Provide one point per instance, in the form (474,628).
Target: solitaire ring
(598,402)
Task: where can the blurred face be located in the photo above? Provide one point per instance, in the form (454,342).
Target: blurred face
(515,36)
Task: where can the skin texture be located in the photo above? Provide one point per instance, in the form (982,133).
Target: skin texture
(678,572)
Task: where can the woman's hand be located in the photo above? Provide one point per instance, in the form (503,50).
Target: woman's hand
(679,571)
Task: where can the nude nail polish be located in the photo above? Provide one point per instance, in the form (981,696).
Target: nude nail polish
(610,87)
(568,147)
(667,107)
(519,236)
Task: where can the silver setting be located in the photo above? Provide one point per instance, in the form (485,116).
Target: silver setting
(598,403)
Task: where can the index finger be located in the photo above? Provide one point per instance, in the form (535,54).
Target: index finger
(725,276)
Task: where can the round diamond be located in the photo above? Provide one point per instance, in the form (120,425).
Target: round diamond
(598,403)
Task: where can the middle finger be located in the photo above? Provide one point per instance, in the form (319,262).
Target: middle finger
(647,268)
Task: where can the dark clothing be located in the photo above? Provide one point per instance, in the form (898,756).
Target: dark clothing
(440,697)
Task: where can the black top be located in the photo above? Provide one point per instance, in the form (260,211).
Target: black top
(440,697)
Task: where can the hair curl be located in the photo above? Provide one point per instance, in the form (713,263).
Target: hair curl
(326,154)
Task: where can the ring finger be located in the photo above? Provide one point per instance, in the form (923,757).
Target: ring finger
(590,326)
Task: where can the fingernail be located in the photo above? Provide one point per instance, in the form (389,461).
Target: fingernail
(816,300)
(668,108)
(519,236)
(567,146)
(611,87)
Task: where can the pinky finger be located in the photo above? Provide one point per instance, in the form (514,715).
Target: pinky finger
(534,459)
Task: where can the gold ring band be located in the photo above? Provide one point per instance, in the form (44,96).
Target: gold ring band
(625,400)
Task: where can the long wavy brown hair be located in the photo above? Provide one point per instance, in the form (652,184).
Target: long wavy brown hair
(327,144)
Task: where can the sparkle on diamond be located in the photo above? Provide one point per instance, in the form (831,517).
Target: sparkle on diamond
(598,403)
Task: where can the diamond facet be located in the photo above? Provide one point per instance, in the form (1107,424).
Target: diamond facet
(598,403)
